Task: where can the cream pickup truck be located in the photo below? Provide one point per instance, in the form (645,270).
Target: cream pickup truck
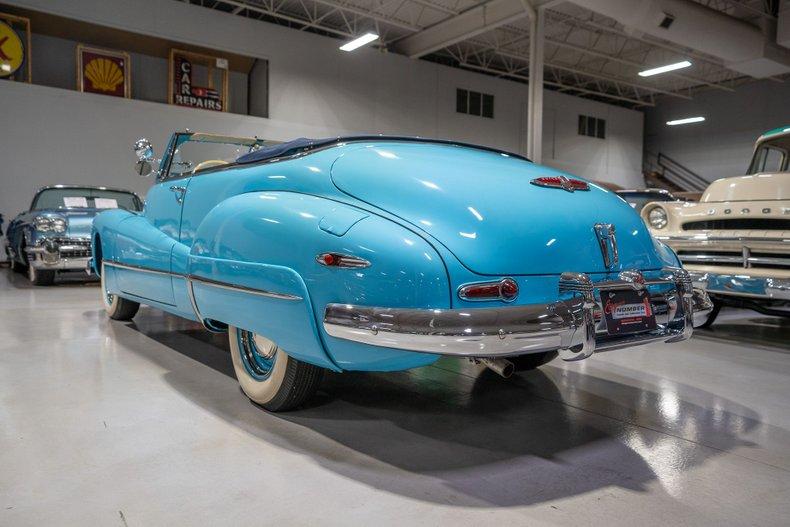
(735,242)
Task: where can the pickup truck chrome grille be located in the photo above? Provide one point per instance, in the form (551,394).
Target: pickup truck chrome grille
(746,258)
(769,224)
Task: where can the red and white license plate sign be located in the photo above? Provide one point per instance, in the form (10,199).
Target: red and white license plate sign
(628,312)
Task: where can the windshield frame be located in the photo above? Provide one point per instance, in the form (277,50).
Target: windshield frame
(179,138)
(137,200)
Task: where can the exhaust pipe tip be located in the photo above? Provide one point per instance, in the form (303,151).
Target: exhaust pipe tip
(501,367)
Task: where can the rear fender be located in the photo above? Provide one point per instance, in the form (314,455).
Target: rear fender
(269,241)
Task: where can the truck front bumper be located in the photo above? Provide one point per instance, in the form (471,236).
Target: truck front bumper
(572,324)
(742,284)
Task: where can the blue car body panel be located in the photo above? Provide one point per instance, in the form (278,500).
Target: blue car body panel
(428,217)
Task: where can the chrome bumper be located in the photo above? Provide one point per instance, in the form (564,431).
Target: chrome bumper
(767,288)
(572,325)
(61,254)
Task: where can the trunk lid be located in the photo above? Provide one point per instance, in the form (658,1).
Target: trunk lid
(482,207)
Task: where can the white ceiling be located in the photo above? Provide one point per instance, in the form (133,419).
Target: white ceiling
(586,54)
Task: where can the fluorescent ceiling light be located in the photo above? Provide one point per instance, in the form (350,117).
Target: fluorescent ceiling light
(687,120)
(664,69)
(359,42)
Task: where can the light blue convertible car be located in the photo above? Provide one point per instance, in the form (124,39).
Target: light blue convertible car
(385,253)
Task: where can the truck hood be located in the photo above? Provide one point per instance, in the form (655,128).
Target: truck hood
(482,207)
(754,187)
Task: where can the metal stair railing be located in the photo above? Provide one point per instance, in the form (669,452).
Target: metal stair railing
(674,172)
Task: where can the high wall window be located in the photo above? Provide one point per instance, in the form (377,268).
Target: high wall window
(592,126)
(474,103)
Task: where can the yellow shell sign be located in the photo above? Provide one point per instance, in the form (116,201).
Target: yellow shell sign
(104,74)
(12,52)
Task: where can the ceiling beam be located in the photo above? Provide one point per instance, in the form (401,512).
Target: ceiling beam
(470,23)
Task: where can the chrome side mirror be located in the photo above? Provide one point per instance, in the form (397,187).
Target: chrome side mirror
(145,157)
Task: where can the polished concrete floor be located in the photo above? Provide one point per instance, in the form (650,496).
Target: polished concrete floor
(143,423)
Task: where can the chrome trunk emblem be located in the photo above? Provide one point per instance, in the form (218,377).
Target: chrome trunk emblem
(607,242)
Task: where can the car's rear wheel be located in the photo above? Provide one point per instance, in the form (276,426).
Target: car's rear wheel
(268,375)
(40,276)
(117,308)
(532,360)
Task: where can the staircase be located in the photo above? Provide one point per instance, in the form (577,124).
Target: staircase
(661,171)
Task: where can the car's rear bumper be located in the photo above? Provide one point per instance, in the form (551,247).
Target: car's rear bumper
(572,324)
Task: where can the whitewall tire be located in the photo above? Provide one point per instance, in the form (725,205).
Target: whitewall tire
(117,308)
(268,375)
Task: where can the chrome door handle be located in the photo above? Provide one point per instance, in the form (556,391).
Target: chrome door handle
(179,192)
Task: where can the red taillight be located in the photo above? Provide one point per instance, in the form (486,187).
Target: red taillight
(341,260)
(505,290)
(562,182)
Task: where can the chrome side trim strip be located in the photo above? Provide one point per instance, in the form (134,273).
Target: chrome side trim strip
(139,268)
(206,281)
(241,288)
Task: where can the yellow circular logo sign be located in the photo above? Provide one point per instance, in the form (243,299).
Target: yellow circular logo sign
(12,52)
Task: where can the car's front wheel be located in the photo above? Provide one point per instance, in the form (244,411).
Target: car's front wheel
(40,276)
(117,308)
(268,375)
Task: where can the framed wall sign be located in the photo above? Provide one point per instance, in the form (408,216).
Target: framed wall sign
(198,80)
(103,71)
(15,48)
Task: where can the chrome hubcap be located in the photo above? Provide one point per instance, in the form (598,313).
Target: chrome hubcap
(258,354)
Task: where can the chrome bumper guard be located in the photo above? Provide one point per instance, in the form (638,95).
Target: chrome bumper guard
(760,287)
(573,324)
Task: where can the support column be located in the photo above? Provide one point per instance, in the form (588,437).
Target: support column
(535,101)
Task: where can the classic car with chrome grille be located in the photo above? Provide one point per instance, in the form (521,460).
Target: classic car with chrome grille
(735,242)
(385,253)
(53,236)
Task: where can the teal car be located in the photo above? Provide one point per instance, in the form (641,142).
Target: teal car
(385,253)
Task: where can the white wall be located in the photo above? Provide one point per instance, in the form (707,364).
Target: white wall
(59,136)
(722,145)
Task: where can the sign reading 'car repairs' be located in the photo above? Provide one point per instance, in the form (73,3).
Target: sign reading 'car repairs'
(185,68)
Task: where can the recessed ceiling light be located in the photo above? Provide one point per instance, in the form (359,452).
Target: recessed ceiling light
(367,38)
(664,69)
(687,120)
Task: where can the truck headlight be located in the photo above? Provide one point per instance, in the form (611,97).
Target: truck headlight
(657,217)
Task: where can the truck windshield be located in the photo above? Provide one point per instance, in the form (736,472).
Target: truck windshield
(771,156)
(85,198)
